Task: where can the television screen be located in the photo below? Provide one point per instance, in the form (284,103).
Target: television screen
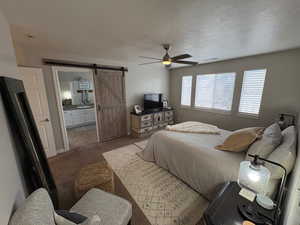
(152,101)
(152,97)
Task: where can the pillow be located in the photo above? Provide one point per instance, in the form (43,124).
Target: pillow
(74,217)
(240,140)
(284,154)
(37,209)
(271,138)
(59,220)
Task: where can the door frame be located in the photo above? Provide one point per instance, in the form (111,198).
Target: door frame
(55,70)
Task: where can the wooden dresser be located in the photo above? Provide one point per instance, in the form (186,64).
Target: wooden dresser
(146,123)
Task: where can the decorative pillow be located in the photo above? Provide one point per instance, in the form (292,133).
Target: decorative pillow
(59,220)
(240,140)
(271,138)
(284,154)
(72,216)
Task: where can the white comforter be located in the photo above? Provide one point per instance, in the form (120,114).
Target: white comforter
(193,159)
(194,127)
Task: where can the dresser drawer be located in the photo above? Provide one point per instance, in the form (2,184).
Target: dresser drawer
(155,127)
(168,113)
(146,117)
(168,118)
(162,125)
(146,123)
(146,129)
(157,118)
(171,122)
(143,130)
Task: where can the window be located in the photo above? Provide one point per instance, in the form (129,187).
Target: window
(186,90)
(252,90)
(215,91)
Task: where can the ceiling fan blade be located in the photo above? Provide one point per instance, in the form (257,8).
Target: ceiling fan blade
(186,62)
(183,56)
(146,57)
(150,63)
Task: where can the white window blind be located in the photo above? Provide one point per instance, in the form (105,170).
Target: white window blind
(252,90)
(215,91)
(186,90)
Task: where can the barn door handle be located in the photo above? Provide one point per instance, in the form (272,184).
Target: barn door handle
(46,120)
(98,107)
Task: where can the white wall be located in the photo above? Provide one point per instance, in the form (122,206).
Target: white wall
(11,185)
(138,80)
(281,92)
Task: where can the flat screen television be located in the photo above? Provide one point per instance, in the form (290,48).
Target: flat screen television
(153,101)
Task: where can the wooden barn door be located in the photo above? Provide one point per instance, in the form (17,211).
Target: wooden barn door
(111,105)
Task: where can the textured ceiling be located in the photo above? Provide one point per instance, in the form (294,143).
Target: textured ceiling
(122,30)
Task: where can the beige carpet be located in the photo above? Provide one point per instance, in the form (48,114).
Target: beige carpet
(163,198)
(82,136)
(141,144)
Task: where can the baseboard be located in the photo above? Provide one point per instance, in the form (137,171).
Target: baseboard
(62,150)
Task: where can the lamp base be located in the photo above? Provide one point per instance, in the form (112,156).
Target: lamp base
(265,202)
(251,212)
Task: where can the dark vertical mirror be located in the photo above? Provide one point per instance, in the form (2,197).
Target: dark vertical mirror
(30,151)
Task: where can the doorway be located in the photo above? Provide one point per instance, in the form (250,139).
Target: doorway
(77,106)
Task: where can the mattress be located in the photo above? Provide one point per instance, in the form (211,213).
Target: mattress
(193,159)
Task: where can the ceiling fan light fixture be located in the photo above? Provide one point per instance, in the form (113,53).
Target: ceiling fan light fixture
(166,62)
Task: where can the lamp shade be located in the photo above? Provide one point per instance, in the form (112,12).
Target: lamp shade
(254,177)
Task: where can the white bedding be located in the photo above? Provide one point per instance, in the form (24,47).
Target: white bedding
(193,159)
(194,127)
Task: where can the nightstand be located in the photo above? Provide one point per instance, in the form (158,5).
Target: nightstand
(223,210)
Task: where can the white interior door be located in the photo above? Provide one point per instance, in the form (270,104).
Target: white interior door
(35,90)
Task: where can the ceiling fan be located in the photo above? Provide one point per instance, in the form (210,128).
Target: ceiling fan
(167,60)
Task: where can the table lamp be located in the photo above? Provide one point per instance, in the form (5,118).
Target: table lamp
(255,177)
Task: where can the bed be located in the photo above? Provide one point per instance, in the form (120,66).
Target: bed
(193,158)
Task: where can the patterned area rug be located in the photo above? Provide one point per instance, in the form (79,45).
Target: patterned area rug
(164,199)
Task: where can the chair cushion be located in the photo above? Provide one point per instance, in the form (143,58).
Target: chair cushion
(112,209)
(94,220)
(271,138)
(74,217)
(60,220)
(37,209)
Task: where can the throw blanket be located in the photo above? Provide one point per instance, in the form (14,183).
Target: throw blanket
(194,127)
